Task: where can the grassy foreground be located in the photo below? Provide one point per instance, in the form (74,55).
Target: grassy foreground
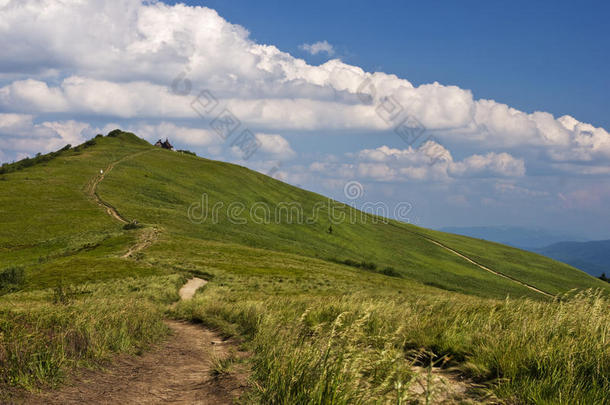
(320,331)
(359,347)
(46,333)
(314,344)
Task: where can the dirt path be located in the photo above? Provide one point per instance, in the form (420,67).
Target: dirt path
(179,371)
(188,290)
(531,287)
(445,386)
(92,187)
(147,237)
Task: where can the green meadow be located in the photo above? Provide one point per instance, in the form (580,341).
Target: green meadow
(348,316)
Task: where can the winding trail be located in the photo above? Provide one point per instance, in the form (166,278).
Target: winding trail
(147,237)
(479,265)
(91,188)
(180,371)
(497,273)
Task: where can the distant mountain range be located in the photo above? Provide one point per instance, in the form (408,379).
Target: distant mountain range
(592,257)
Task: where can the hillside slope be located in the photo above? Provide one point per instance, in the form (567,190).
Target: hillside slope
(64,230)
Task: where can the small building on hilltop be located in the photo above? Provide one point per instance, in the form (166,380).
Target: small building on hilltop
(164,145)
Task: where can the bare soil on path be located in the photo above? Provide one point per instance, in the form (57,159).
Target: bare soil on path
(448,387)
(147,237)
(188,290)
(179,371)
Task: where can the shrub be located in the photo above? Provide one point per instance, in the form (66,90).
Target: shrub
(11,279)
(350,262)
(361,265)
(65,294)
(368,265)
(132,225)
(127,136)
(390,271)
(29,162)
(188,152)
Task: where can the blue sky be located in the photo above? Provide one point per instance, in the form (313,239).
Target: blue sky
(503,107)
(543,55)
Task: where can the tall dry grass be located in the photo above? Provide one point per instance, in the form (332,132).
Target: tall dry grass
(44,334)
(358,349)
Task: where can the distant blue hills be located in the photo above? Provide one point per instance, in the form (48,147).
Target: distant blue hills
(592,257)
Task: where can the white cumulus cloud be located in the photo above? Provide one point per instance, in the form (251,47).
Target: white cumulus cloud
(429,162)
(25,137)
(275,145)
(126,58)
(317,47)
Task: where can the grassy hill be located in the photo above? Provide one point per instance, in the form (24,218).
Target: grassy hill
(398,289)
(158,187)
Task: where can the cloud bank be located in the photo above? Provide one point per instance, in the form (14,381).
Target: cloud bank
(117,59)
